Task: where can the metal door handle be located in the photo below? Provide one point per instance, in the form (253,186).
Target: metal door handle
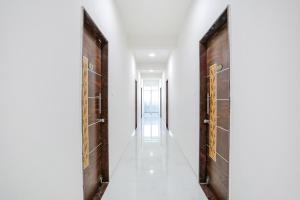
(100,104)
(206,121)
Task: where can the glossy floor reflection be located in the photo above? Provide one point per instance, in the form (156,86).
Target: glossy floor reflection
(153,168)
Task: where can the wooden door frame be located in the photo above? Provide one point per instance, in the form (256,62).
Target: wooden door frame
(203,129)
(88,23)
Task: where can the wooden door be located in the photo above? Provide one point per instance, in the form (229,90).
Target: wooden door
(167,104)
(214,111)
(95,110)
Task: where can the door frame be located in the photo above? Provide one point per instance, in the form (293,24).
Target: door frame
(203,128)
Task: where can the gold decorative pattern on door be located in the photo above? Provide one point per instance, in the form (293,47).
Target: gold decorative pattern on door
(213,112)
(85,130)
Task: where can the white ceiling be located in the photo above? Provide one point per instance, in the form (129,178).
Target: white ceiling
(161,55)
(152,26)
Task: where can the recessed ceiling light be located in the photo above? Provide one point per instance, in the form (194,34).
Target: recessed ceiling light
(151,171)
(151,55)
(151,70)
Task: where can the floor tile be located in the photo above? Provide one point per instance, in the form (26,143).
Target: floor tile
(153,168)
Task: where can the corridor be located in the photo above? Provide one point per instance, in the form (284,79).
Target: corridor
(149,100)
(153,168)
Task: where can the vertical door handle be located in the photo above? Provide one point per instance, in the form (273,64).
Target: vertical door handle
(100,107)
(100,104)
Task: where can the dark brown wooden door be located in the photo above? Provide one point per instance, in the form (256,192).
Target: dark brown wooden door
(95,110)
(214,113)
(167,104)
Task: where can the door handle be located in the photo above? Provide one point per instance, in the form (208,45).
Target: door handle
(206,121)
(100,103)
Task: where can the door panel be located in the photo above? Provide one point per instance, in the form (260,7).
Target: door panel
(91,51)
(95,101)
(218,170)
(215,101)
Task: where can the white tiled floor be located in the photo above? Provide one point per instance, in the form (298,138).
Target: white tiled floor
(153,168)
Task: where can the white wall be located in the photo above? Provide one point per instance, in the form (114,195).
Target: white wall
(139,110)
(121,77)
(183,75)
(40,84)
(265,99)
(40,144)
